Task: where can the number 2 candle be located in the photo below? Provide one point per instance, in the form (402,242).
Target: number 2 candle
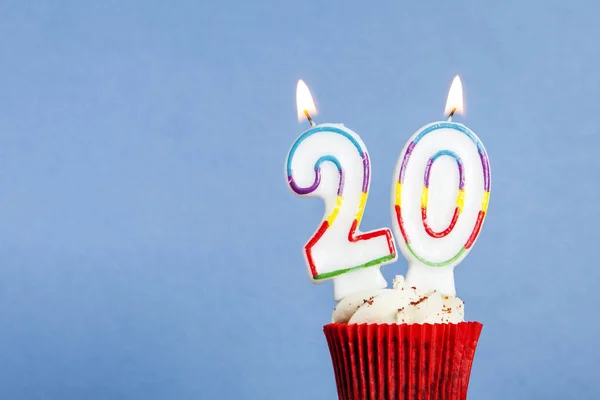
(331,162)
(440,195)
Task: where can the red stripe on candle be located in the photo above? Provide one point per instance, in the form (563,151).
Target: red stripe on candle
(443,233)
(401,223)
(390,241)
(366,236)
(311,243)
(476,230)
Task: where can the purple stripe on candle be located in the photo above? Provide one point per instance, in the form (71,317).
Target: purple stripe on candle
(459,164)
(349,135)
(305,190)
(409,150)
(461,176)
(366,172)
(341,184)
(427,171)
(485,163)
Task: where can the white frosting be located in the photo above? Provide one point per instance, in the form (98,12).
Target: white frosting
(399,305)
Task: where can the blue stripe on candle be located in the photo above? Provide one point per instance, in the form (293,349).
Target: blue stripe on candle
(445,153)
(318,129)
(449,153)
(328,158)
(455,126)
(469,134)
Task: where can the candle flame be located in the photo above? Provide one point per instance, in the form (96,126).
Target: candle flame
(304,101)
(455,97)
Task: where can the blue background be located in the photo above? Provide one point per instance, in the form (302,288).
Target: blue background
(150,248)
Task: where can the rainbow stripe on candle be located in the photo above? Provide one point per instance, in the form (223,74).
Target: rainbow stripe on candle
(460,199)
(461,191)
(330,219)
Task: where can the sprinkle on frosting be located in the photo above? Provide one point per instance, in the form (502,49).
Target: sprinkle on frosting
(422,299)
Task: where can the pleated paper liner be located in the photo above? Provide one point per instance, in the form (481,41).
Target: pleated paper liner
(401,361)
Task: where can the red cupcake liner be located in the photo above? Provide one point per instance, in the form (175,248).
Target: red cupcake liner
(401,361)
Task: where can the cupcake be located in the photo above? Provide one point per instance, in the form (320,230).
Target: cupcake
(401,343)
(411,341)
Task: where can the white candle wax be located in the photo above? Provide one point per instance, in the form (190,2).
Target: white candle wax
(440,194)
(331,162)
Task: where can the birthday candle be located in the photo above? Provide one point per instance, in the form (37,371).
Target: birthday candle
(330,161)
(437,230)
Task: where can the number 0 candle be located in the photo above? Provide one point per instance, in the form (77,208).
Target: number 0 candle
(440,196)
(331,162)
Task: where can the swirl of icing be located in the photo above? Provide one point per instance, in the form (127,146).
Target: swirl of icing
(400,305)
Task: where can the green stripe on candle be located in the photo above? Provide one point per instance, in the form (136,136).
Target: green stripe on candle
(380,260)
(436,264)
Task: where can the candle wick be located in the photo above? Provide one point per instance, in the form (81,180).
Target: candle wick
(451,114)
(309,118)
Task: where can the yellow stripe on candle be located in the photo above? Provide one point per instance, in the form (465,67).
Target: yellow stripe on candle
(398,193)
(336,210)
(460,200)
(361,207)
(486,200)
(424,197)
